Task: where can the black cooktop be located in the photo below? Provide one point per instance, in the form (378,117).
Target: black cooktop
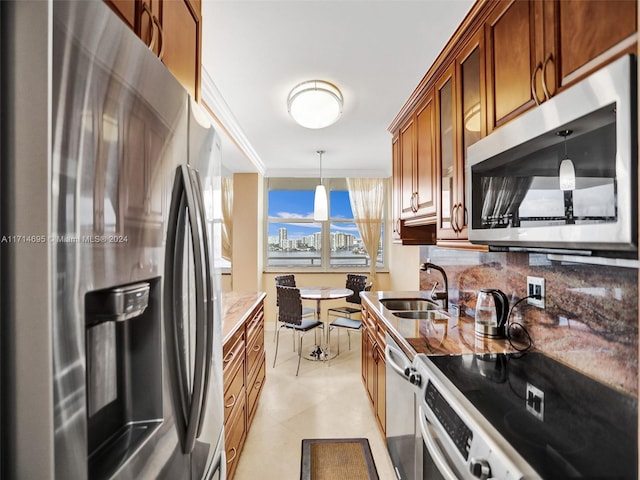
(587,430)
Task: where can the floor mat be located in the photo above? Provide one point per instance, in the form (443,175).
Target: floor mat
(337,459)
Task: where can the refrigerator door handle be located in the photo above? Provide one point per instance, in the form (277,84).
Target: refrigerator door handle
(207,331)
(188,404)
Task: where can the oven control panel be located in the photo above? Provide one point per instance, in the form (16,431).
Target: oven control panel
(452,423)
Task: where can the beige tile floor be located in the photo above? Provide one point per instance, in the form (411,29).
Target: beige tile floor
(322,402)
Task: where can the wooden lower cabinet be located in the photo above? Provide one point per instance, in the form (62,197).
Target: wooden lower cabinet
(374,365)
(244,374)
(235,434)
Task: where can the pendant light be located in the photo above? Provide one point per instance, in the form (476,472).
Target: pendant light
(320,206)
(567,173)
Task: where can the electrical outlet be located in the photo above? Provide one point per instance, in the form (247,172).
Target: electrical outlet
(535,286)
(535,401)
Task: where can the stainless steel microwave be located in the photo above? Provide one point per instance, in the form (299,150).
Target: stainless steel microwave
(562,176)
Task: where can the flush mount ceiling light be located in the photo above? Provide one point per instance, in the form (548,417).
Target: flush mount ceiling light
(320,207)
(315,104)
(567,173)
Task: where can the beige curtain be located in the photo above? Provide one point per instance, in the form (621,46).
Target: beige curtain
(367,203)
(227,222)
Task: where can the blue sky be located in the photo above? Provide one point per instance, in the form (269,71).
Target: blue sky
(299,204)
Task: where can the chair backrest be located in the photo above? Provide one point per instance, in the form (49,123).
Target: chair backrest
(286,280)
(290,304)
(357,283)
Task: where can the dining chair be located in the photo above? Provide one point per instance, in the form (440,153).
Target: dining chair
(344,314)
(290,317)
(356,283)
(290,281)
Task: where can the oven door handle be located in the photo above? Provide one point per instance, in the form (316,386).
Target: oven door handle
(389,352)
(436,454)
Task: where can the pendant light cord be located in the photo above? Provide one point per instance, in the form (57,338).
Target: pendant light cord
(320,152)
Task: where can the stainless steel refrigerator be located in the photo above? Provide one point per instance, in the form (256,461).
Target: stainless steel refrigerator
(110,339)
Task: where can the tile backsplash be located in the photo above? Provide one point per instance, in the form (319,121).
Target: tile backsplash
(590,320)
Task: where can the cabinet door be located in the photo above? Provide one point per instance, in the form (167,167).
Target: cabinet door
(370,366)
(397,188)
(446,149)
(425,169)
(125,9)
(591,33)
(512,60)
(149,23)
(181,32)
(407,162)
(471,119)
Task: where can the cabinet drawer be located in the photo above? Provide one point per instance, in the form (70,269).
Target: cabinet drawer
(232,356)
(255,323)
(233,393)
(255,352)
(234,436)
(255,387)
(368,320)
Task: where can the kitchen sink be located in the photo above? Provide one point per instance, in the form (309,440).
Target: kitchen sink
(417,304)
(421,315)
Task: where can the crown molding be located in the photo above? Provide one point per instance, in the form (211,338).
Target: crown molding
(214,101)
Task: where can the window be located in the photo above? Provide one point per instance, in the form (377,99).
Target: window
(294,239)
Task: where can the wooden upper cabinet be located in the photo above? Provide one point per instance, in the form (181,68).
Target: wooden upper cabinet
(537,48)
(396,190)
(407,163)
(511,32)
(125,9)
(446,154)
(417,166)
(425,168)
(172,29)
(182,30)
(461,114)
(590,34)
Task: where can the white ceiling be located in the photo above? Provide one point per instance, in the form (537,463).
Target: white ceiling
(375,51)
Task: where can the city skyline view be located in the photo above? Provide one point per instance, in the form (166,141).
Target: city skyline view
(294,238)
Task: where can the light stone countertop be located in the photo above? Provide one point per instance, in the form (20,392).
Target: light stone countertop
(236,308)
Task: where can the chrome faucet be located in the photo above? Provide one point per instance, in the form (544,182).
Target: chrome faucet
(444,295)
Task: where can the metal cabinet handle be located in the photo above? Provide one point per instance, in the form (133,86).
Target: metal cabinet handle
(533,84)
(544,76)
(235,452)
(147,10)
(229,356)
(454,218)
(415,201)
(257,348)
(396,227)
(157,23)
(233,402)
(466,216)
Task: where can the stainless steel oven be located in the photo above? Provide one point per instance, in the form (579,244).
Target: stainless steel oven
(520,417)
(562,175)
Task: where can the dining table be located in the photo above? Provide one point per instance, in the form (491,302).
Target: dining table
(321,352)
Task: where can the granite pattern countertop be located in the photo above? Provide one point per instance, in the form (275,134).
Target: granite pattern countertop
(236,308)
(442,334)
